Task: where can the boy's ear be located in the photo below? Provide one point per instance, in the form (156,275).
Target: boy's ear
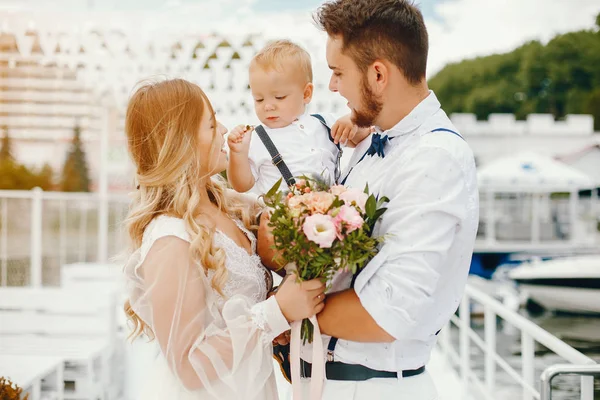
(308,92)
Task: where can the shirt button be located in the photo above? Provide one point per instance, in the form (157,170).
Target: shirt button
(301,126)
(312,150)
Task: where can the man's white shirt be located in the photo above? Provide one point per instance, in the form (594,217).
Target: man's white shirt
(416,281)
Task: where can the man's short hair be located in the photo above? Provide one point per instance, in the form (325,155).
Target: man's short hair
(393,30)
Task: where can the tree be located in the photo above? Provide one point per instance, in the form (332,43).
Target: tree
(14,176)
(6,146)
(75,175)
(593,107)
(558,78)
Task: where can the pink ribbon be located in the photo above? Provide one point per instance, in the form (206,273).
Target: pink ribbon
(318,362)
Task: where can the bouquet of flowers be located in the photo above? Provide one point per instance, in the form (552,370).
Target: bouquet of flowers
(322,230)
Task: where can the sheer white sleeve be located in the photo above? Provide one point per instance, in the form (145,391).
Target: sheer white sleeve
(226,351)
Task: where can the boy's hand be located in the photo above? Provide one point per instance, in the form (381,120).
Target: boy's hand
(239,139)
(343,130)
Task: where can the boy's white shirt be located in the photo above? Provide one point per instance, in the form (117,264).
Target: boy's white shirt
(305,147)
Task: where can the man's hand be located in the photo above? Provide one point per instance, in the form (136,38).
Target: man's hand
(283,339)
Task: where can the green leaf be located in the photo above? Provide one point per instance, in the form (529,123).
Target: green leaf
(382,201)
(274,189)
(379,213)
(371,206)
(366,189)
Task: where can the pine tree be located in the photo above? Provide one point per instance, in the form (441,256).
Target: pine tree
(75,174)
(6,146)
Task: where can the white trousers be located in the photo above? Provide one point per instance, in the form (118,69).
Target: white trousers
(420,387)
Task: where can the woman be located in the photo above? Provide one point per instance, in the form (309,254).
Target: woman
(195,283)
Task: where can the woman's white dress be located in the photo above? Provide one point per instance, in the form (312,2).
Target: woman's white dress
(207,345)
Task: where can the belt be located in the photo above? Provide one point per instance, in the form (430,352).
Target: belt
(337,371)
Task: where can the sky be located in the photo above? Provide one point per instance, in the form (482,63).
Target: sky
(458,29)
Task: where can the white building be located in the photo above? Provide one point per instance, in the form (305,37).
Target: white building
(50,81)
(502,135)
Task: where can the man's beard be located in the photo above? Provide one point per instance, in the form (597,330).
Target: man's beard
(371,107)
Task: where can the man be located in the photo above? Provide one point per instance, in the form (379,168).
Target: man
(388,317)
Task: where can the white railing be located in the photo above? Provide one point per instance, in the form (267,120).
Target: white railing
(526,379)
(41,231)
(567,369)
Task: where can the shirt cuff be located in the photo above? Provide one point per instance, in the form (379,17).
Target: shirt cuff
(386,318)
(269,317)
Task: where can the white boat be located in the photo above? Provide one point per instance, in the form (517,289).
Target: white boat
(565,284)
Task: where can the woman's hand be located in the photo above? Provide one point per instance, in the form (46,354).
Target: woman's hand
(300,300)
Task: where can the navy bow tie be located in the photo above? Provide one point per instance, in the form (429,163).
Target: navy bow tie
(377,145)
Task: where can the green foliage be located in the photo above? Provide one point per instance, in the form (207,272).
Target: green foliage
(349,245)
(6,146)
(312,261)
(14,176)
(75,176)
(559,78)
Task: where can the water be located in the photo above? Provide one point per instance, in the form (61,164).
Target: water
(580,332)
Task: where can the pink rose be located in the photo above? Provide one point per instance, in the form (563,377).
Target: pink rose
(296,205)
(337,190)
(350,218)
(295,202)
(356,197)
(319,202)
(320,229)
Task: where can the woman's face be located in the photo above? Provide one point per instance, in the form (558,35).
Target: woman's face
(212,147)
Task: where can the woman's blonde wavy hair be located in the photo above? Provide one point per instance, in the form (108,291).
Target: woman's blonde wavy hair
(162,127)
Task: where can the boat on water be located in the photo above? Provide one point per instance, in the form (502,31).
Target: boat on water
(569,284)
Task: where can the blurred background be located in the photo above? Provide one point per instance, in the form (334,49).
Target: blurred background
(520,79)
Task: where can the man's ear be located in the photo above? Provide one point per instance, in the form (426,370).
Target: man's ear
(379,76)
(308,92)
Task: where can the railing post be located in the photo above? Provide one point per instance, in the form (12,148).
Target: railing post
(82,232)
(108,125)
(465,349)
(36,237)
(62,233)
(587,388)
(4,244)
(587,373)
(528,362)
(490,341)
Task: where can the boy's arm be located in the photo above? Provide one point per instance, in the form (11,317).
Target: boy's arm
(239,173)
(346,132)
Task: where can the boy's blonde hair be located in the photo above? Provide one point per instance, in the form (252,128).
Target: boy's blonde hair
(275,53)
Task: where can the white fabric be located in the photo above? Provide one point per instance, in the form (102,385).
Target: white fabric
(304,146)
(420,387)
(210,346)
(416,281)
